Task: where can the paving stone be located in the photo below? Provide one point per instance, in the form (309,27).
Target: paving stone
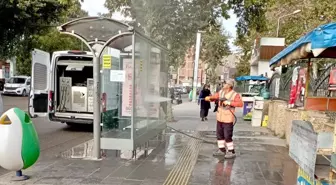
(256,163)
(274,183)
(152,182)
(256,182)
(272,175)
(131,182)
(142,171)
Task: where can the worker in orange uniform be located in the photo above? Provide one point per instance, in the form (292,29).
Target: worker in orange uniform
(228,100)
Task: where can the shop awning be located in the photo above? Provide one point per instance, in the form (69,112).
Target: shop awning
(254,78)
(319,43)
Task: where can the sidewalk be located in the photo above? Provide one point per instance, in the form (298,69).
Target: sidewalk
(261,159)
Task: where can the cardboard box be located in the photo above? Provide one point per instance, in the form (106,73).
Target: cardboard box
(79,99)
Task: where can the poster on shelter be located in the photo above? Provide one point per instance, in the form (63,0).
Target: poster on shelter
(143,109)
(127,88)
(154,83)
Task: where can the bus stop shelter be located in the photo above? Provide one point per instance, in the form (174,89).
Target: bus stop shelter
(130,82)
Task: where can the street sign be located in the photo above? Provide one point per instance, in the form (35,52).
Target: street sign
(117,76)
(303,146)
(107,62)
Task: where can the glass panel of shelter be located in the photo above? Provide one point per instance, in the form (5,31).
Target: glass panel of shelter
(150,105)
(141,87)
(116,93)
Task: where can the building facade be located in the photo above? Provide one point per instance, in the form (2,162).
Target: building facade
(264,49)
(228,69)
(185,73)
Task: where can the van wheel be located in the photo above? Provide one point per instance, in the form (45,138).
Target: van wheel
(24,93)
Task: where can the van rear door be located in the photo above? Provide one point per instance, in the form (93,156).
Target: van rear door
(40,83)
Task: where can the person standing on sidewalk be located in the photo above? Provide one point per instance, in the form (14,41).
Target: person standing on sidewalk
(228,100)
(205,105)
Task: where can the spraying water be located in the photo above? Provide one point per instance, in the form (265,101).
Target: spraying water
(155,99)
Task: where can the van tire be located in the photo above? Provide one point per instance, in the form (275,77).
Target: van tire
(24,93)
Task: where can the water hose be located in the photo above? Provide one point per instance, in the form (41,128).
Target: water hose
(188,135)
(201,139)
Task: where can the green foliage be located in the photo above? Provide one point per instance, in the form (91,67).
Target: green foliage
(251,15)
(21,18)
(313,13)
(215,47)
(260,18)
(48,38)
(252,20)
(172,22)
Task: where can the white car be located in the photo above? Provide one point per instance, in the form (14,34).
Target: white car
(17,85)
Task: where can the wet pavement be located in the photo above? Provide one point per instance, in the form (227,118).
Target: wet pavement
(176,160)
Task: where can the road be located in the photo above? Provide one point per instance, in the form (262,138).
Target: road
(54,137)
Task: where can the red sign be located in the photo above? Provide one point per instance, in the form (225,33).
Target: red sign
(301,87)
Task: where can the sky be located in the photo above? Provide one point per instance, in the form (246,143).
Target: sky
(97,6)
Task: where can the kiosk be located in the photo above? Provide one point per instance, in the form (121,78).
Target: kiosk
(248,97)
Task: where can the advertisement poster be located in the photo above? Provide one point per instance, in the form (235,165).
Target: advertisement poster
(293,90)
(143,109)
(301,87)
(304,179)
(154,84)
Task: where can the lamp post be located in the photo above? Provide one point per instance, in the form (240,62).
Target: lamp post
(293,13)
(197,53)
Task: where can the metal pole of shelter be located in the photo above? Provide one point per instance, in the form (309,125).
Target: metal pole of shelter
(133,87)
(198,47)
(96,107)
(96,96)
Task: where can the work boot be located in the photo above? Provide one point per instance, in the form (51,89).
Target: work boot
(206,119)
(230,155)
(202,119)
(218,153)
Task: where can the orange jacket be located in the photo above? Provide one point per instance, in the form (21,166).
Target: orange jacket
(225,114)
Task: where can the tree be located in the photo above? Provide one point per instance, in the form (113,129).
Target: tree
(22,18)
(49,39)
(215,47)
(172,22)
(251,14)
(313,13)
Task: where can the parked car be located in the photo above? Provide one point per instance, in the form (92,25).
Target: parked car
(177,97)
(17,85)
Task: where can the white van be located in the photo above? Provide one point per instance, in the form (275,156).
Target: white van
(62,86)
(17,85)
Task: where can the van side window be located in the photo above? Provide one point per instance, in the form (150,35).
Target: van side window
(28,81)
